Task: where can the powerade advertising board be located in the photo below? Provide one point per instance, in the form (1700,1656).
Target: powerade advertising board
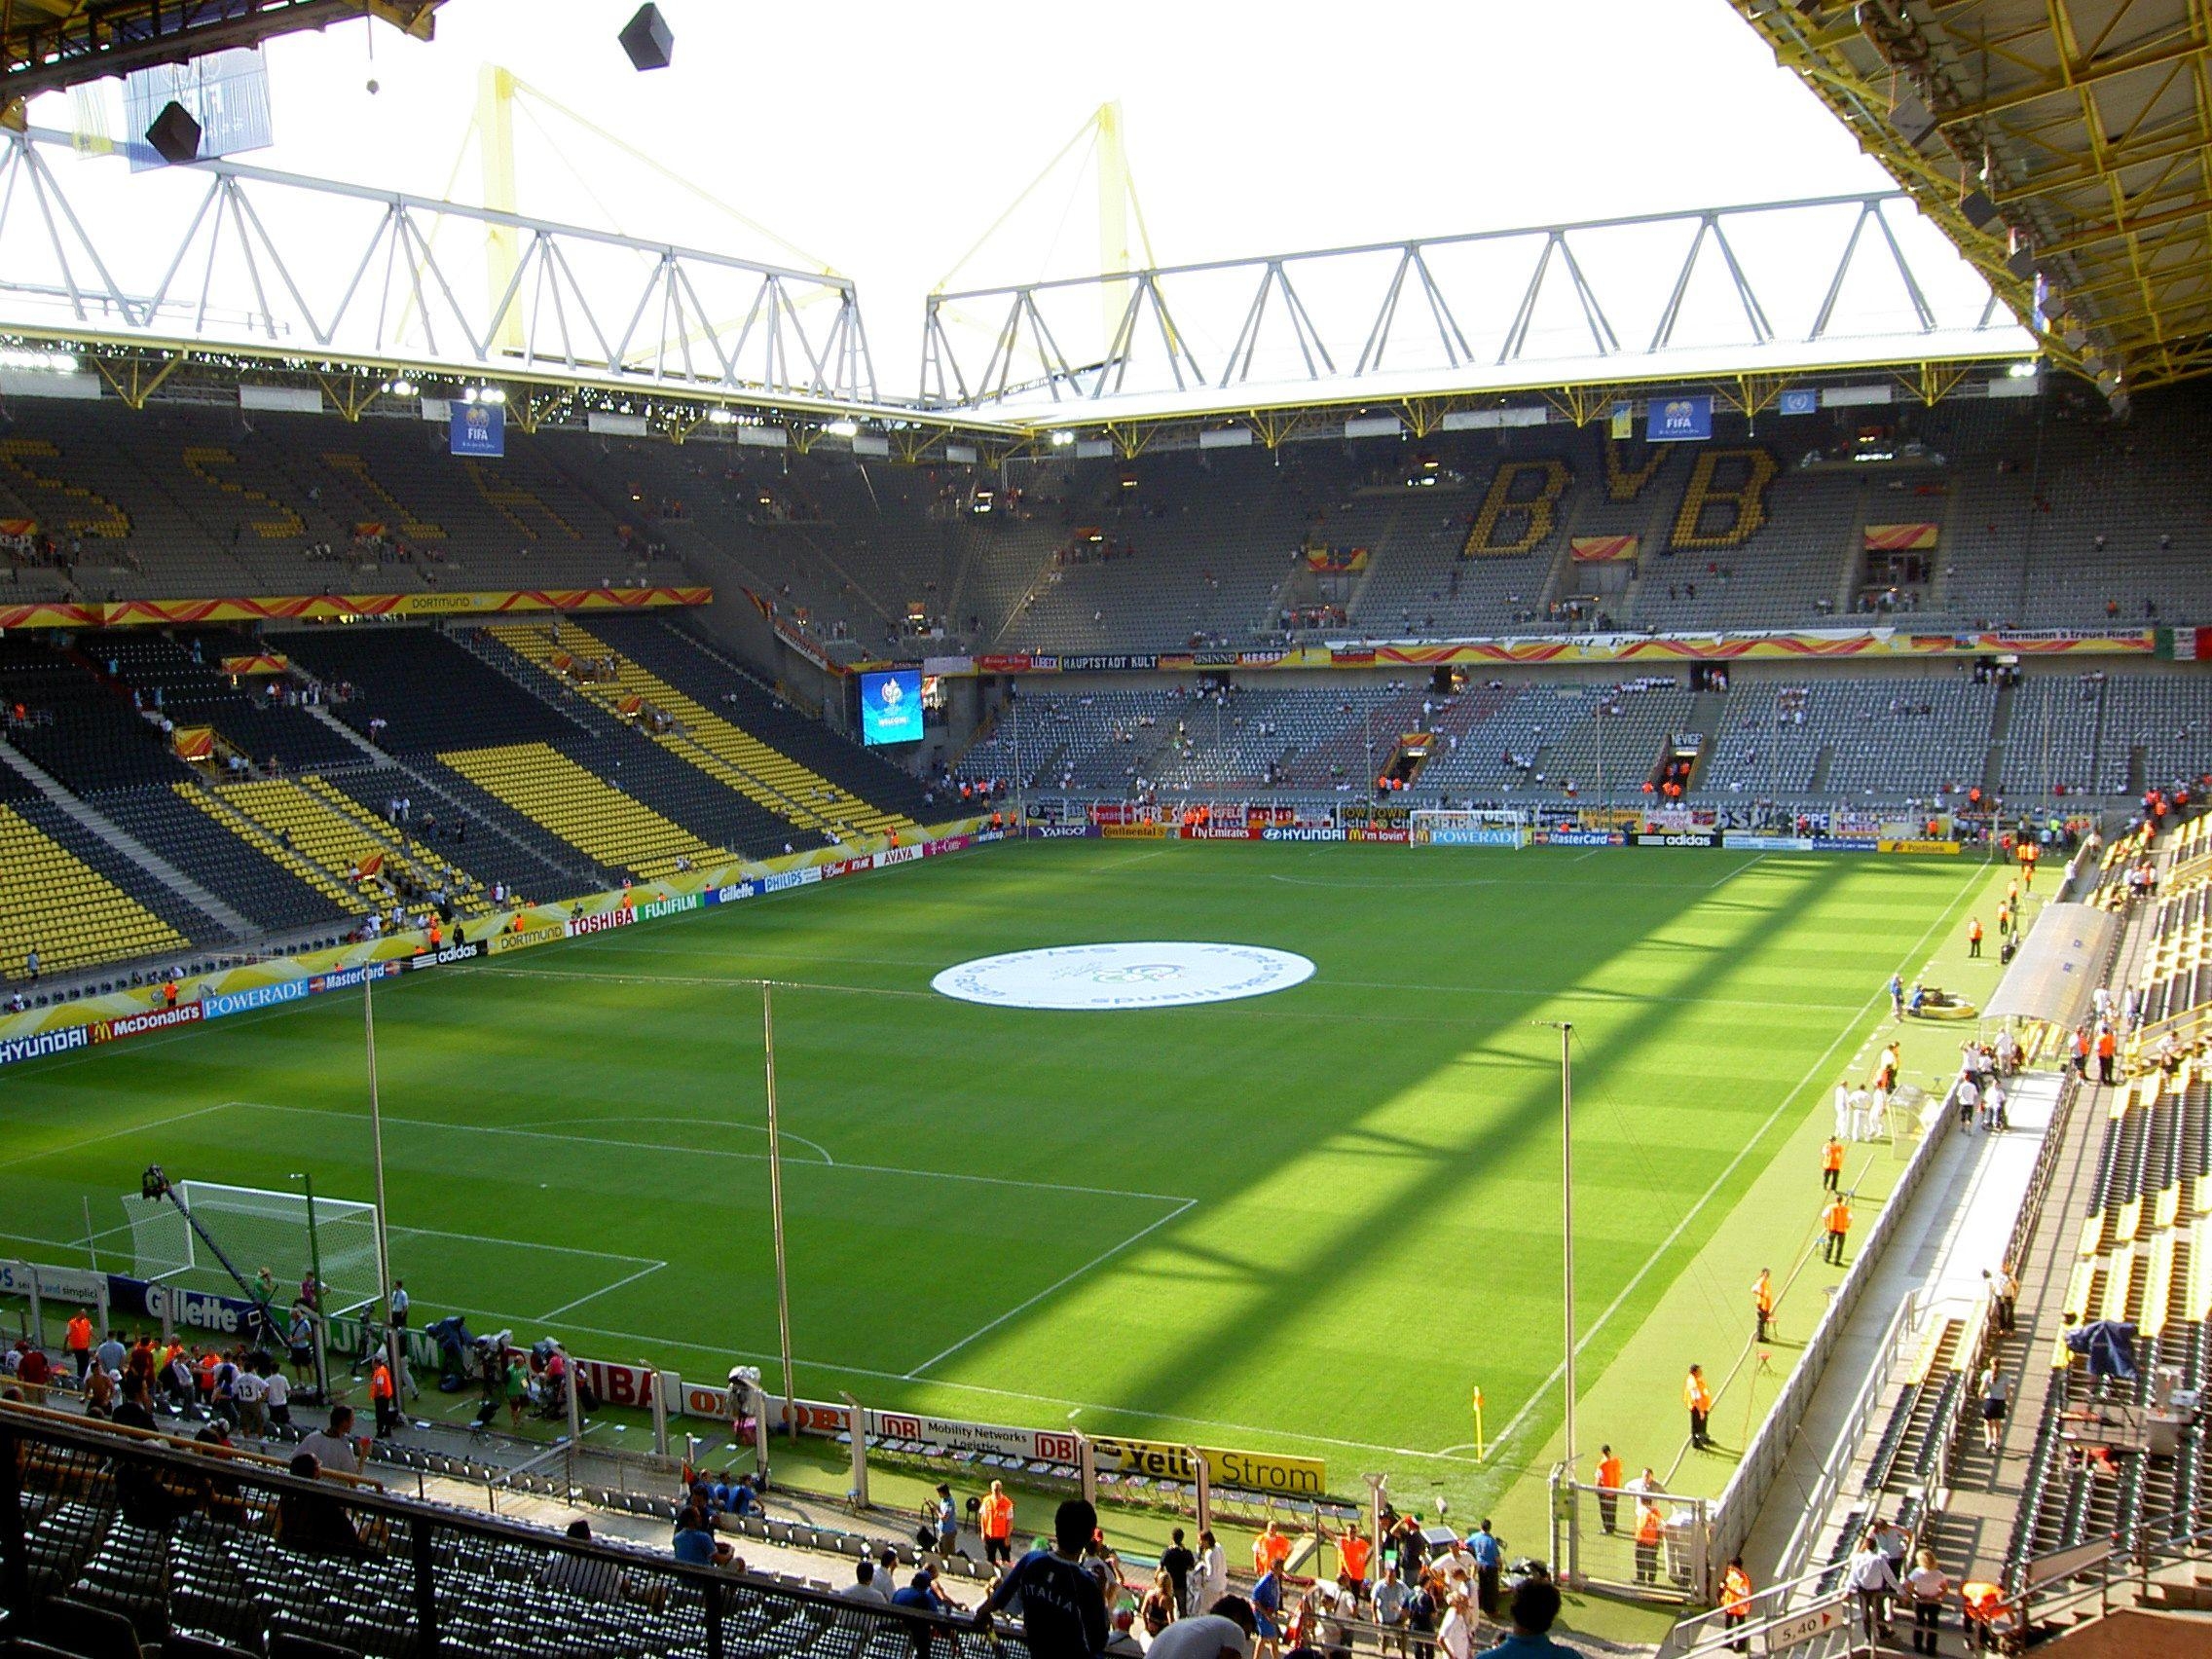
(890,707)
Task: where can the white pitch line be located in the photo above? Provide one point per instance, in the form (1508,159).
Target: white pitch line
(526,1244)
(700,1122)
(1752,1140)
(604,1290)
(1058,1284)
(741,1156)
(1758,858)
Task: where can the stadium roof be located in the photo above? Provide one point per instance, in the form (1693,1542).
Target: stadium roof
(2065,140)
(45,45)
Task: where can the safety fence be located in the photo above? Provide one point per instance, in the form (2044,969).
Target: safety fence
(106,1535)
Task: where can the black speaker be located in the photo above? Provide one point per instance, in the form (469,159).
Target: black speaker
(2021,262)
(1980,211)
(646,38)
(1912,120)
(175,135)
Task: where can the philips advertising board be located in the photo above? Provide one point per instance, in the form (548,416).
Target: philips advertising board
(890,707)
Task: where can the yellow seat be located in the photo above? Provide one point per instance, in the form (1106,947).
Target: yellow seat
(583,809)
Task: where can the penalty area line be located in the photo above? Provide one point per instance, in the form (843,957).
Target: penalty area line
(604,1290)
(1059,1284)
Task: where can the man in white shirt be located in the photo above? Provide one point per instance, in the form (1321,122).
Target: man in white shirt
(1873,1581)
(1224,1632)
(276,1393)
(249,1392)
(1861,1102)
(333,1448)
(863,1587)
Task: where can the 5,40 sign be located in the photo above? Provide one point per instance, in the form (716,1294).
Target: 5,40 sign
(1805,1626)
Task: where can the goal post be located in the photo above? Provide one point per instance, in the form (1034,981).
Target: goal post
(258,1228)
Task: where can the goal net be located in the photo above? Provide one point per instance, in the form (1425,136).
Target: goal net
(257,1228)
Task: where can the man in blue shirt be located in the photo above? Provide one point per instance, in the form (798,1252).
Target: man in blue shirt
(1490,1557)
(1063,1608)
(1536,1604)
(948,1522)
(1267,1611)
(922,1596)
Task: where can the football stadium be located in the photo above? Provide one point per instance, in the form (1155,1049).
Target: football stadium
(1405,909)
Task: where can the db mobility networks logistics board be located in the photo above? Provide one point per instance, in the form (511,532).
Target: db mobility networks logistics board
(890,707)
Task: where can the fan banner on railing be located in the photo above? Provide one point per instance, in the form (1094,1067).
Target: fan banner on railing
(193,743)
(1900,538)
(368,867)
(631,705)
(1605,549)
(1336,558)
(261,662)
(18,533)
(368,530)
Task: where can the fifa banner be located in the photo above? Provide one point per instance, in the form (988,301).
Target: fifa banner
(1336,561)
(1437,828)
(1900,538)
(41,1033)
(1605,549)
(1678,419)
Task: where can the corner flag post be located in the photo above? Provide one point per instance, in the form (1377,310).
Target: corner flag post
(1481,1455)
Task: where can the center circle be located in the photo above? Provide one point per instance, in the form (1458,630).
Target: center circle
(1152,974)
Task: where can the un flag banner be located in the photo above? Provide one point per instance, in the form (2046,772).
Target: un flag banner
(1678,419)
(1799,403)
(479,428)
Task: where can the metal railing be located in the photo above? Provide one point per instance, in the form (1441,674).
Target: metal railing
(2068,1580)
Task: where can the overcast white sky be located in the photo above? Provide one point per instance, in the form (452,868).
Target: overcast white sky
(884,138)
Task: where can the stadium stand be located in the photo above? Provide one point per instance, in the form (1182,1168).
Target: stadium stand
(685,662)
(586,665)
(164,1544)
(57,905)
(612,828)
(422,694)
(78,727)
(236,868)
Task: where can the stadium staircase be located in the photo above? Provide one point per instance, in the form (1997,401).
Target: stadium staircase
(346,845)
(717,747)
(1992,779)
(272,842)
(135,853)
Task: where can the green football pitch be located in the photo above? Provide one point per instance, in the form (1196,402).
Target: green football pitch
(1310,1222)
